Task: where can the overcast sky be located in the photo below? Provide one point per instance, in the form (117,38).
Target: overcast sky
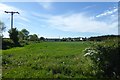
(62,19)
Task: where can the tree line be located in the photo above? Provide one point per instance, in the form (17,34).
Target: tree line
(18,37)
(104,37)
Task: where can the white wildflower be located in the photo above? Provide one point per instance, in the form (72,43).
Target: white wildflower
(86,54)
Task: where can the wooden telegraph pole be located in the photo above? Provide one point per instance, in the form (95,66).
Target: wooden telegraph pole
(11,12)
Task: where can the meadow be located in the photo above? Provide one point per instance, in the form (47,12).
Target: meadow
(47,60)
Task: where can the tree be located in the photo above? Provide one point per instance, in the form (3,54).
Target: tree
(21,35)
(2,28)
(25,33)
(13,33)
(42,39)
(33,37)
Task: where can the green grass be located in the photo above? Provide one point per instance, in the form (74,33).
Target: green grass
(47,60)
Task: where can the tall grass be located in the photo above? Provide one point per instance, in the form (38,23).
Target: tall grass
(47,60)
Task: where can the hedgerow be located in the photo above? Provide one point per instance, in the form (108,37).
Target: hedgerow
(106,58)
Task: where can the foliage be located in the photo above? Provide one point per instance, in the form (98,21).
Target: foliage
(7,44)
(23,42)
(33,37)
(42,39)
(13,33)
(21,35)
(103,38)
(2,28)
(106,57)
(24,33)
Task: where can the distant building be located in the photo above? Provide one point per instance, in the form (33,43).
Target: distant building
(73,39)
(52,39)
(64,39)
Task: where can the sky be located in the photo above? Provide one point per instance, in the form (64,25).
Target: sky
(62,19)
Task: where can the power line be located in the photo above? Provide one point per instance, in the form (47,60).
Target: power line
(11,12)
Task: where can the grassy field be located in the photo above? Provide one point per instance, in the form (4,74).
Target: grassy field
(47,60)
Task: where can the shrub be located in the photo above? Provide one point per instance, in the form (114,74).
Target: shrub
(23,42)
(7,43)
(105,57)
(13,33)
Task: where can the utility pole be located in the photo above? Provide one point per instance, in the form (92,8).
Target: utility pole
(11,12)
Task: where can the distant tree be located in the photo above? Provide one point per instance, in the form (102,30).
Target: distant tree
(13,33)
(84,39)
(42,39)
(33,37)
(2,28)
(30,37)
(69,39)
(26,33)
(64,39)
(21,35)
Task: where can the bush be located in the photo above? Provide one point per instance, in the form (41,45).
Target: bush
(23,42)
(105,57)
(13,33)
(7,43)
